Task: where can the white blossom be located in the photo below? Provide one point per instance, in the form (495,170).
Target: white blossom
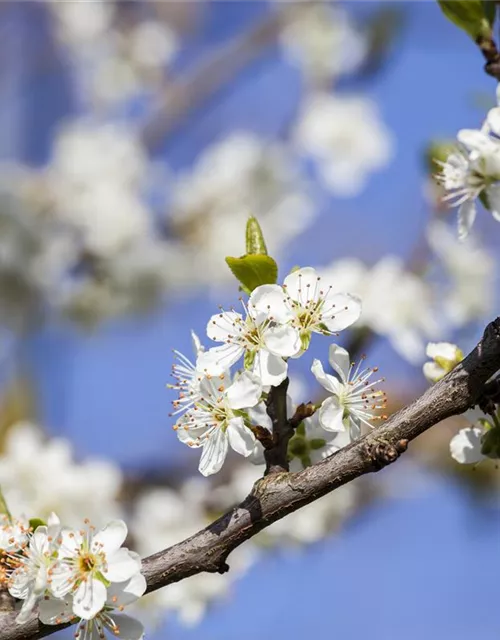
(109,619)
(88,561)
(346,138)
(322,40)
(469,291)
(315,305)
(216,420)
(31,468)
(187,378)
(32,567)
(354,400)
(465,447)
(264,337)
(445,356)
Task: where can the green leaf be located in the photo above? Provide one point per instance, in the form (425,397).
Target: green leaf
(37,522)
(255,243)
(475,17)
(253,270)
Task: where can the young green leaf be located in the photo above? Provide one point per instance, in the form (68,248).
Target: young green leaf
(475,17)
(255,243)
(253,270)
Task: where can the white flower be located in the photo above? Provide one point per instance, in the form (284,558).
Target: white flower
(445,356)
(153,44)
(13,534)
(109,618)
(346,137)
(315,305)
(31,576)
(36,489)
(216,420)
(87,560)
(188,378)
(323,41)
(354,400)
(262,337)
(474,170)
(312,443)
(469,290)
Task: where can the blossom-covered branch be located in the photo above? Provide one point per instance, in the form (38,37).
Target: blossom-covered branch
(277,495)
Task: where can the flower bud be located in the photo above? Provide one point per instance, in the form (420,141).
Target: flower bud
(445,357)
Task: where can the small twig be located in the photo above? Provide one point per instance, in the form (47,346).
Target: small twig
(302,412)
(491,54)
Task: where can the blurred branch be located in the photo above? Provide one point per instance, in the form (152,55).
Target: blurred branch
(276,495)
(181,97)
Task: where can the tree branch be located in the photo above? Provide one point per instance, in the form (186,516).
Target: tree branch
(276,456)
(279,494)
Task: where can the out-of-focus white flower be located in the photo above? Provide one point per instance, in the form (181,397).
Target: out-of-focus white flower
(81,23)
(354,400)
(217,420)
(232,179)
(475,443)
(152,44)
(322,40)
(347,139)
(389,295)
(88,562)
(31,469)
(445,356)
(470,270)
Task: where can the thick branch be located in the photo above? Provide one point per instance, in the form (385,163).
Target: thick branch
(279,494)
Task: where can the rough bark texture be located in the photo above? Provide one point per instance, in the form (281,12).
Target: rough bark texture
(278,494)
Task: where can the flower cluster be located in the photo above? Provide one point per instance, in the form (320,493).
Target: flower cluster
(473,171)
(80,576)
(219,410)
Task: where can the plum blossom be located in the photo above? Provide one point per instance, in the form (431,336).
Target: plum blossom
(187,378)
(476,442)
(315,305)
(217,420)
(445,356)
(312,443)
(31,576)
(88,561)
(346,138)
(354,400)
(263,337)
(473,171)
(109,618)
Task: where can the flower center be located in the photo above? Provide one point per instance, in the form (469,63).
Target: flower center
(87,562)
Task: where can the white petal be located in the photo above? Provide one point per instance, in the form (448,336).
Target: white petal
(128,628)
(282,341)
(53,525)
(240,437)
(19,583)
(433,372)
(474,140)
(494,200)
(354,428)
(55,611)
(466,216)
(214,453)
(197,346)
(340,361)
(327,381)
(493,120)
(218,360)
(465,447)
(301,284)
(27,608)
(331,415)
(245,391)
(445,350)
(269,300)
(89,599)
(269,368)
(259,416)
(257,455)
(223,325)
(124,593)
(121,565)
(340,311)
(111,537)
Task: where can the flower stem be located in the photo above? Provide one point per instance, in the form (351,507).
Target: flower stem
(276,456)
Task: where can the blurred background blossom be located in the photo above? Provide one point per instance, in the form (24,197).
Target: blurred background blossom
(135,140)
